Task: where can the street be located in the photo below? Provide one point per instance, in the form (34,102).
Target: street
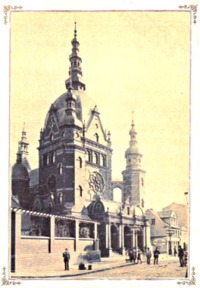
(166,269)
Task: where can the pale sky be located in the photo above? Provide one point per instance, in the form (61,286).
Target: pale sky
(136,61)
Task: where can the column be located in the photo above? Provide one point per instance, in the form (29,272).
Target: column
(121,238)
(144,240)
(108,238)
(133,238)
(96,240)
(76,235)
(52,234)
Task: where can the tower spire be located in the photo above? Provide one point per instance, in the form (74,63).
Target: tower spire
(23,143)
(75,70)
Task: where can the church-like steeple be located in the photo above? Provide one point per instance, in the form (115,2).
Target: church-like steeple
(23,144)
(132,154)
(133,175)
(75,70)
(23,149)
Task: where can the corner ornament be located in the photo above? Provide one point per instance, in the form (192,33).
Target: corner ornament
(193,8)
(191,281)
(7,282)
(7,9)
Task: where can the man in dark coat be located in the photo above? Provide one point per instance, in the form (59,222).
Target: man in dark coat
(156,254)
(181,255)
(66,257)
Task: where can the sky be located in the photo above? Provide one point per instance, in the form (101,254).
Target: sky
(131,61)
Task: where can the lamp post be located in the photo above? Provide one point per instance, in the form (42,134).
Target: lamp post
(170,232)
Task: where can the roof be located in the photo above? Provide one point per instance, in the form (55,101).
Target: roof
(34,177)
(182,213)
(167,214)
(19,172)
(15,202)
(84,106)
(47,215)
(159,228)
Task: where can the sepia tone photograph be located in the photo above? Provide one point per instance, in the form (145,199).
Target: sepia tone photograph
(99,145)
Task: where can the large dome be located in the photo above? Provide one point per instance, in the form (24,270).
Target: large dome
(84,106)
(19,172)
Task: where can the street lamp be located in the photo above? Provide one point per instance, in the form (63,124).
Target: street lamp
(170,232)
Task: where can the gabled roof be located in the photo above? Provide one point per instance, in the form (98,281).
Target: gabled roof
(157,230)
(182,213)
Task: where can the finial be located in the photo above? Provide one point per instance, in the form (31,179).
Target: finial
(75,31)
(132,124)
(23,128)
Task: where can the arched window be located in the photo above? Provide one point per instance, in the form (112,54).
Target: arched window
(60,198)
(45,160)
(80,191)
(52,157)
(51,137)
(96,137)
(89,153)
(80,161)
(60,169)
(103,160)
(96,158)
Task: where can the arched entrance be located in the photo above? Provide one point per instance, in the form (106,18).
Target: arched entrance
(127,237)
(114,237)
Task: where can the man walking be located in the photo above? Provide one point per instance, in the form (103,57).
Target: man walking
(66,257)
(148,255)
(156,255)
(181,255)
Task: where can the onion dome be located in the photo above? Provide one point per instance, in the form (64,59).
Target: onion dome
(133,149)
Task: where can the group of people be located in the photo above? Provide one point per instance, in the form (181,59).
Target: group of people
(136,254)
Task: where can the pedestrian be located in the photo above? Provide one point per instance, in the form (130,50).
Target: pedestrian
(130,254)
(181,255)
(134,255)
(156,254)
(175,251)
(139,256)
(66,258)
(148,255)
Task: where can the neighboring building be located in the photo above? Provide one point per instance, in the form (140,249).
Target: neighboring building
(169,228)
(72,190)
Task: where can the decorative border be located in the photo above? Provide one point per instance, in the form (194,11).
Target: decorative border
(191,281)
(7,9)
(193,8)
(7,282)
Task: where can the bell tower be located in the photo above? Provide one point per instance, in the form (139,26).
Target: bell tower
(133,175)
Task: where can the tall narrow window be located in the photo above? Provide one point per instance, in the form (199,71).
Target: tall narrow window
(60,198)
(128,210)
(96,158)
(103,160)
(60,169)
(80,191)
(80,162)
(89,153)
(96,137)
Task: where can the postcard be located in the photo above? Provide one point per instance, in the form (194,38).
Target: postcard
(100,143)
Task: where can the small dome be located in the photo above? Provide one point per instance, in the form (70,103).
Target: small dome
(138,210)
(19,172)
(132,150)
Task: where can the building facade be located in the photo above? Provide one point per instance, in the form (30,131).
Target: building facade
(71,192)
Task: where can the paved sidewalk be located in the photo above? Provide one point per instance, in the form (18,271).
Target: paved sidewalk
(106,264)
